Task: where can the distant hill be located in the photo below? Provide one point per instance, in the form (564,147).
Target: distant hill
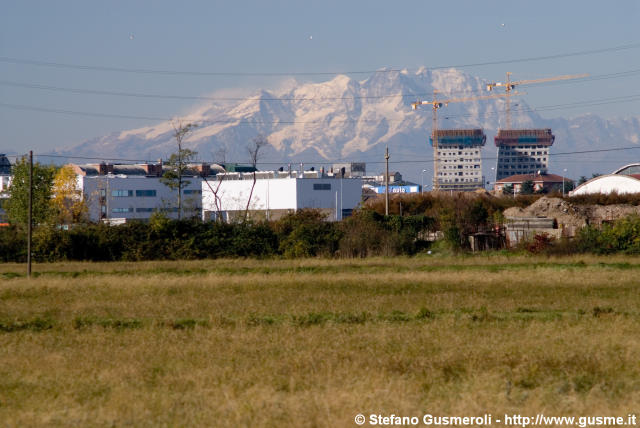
(347,119)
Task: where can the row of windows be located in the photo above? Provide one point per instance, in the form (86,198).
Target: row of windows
(459,180)
(321,186)
(140,210)
(461,160)
(146,193)
(460,167)
(458,148)
(459,173)
(522,160)
(458,153)
(521,166)
(518,152)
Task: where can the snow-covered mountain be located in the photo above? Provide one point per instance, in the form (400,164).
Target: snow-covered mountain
(344,119)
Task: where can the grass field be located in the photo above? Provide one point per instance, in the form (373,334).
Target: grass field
(315,342)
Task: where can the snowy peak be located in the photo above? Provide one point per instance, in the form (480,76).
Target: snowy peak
(347,119)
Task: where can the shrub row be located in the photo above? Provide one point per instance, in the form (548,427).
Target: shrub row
(303,234)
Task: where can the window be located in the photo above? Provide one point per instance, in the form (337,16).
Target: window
(145,210)
(192,191)
(122,210)
(321,186)
(121,193)
(145,193)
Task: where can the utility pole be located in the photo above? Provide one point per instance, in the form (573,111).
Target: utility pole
(386,180)
(180,178)
(30,214)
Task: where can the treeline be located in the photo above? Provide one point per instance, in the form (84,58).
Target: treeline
(303,234)
(410,228)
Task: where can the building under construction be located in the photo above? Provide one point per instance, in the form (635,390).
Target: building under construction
(458,159)
(522,151)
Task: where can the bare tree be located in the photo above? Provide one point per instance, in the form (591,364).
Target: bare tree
(179,162)
(220,155)
(216,198)
(254,148)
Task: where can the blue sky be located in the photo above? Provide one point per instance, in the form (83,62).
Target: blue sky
(291,37)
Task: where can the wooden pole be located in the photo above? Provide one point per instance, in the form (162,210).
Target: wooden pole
(386,191)
(30,214)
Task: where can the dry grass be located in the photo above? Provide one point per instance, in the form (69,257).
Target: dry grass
(314,342)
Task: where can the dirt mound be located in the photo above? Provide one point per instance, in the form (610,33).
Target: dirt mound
(570,215)
(565,213)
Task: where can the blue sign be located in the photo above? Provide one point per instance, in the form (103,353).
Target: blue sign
(398,189)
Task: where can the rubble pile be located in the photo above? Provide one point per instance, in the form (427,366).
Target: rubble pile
(572,216)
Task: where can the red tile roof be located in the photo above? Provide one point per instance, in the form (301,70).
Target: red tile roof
(544,178)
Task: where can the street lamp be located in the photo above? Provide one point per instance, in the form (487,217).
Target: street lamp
(422,187)
(492,176)
(564,172)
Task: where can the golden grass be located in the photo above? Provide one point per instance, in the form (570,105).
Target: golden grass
(314,342)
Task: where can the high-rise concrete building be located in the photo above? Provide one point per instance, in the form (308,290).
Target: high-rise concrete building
(523,151)
(458,159)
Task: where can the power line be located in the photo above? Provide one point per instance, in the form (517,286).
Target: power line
(329,161)
(352,97)
(78,113)
(86,67)
(588,103)
(187,97)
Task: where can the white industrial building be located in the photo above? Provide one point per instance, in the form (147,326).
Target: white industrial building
(5,183)
(118,193)
(277,193)
(623,180)
(5,175)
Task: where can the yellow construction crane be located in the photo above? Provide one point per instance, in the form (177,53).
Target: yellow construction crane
(511,85)
(435,105)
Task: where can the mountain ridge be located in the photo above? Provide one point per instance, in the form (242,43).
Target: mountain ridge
(347,119)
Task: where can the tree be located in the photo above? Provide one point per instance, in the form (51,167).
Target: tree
(569,185)
(254,153)
(507,189)
(178,162)
(17,206)
(582,180)
(526,188)
(68,204)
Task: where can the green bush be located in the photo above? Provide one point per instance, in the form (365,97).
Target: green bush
(306,233)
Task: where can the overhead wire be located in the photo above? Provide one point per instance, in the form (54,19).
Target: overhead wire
(39,86)
(236,121)
(329,161)
(87,67)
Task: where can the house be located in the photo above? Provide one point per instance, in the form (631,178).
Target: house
(541,182)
